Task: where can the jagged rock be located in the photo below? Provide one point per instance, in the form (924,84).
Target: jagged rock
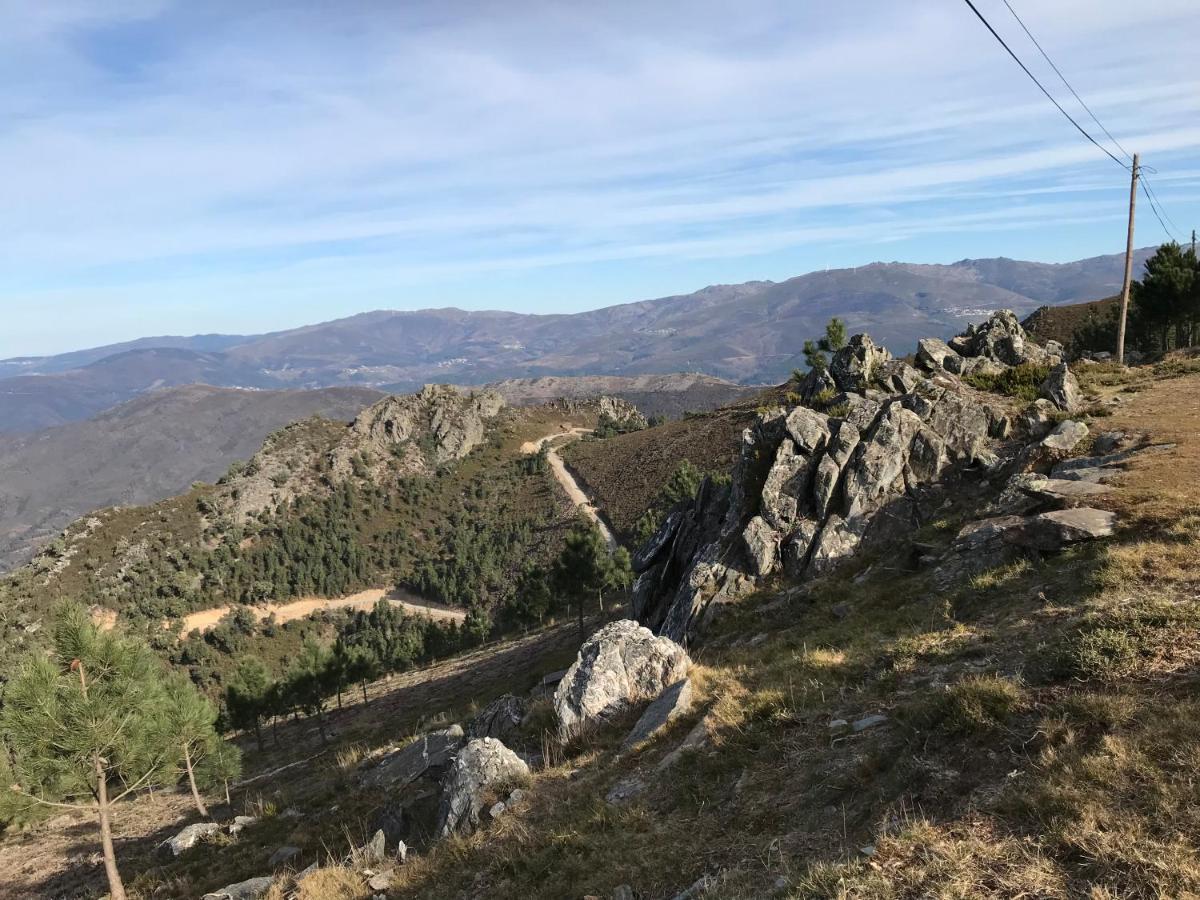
(283,855)
(251,889)
(843,438)
(809,429)
(1061,388)
(814,384)
(483,766)
(190,836)
(762,545)
(1002,339)
(877,468)
(240,823)
(644,558)
(838,539)
(424,430)
(1038,418)
(1116,442)
(675,701)
(786,483)
(855,366)
(375,850)
(900,376)
(1054,348)
(862,411)
(1028,491)
(499,719)
(429,751)
(696,738)
(1065,437)
(796,549)
(932,353)
(621,664)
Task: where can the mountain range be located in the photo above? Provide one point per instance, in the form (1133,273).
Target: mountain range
(748,333)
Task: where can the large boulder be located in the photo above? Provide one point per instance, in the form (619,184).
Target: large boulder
(483,769)
(190,836)
(621,664)
(932,354)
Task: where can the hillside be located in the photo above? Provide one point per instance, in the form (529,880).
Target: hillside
(749,333)
(940,643)
(1059,323)
(669,396)
(142,451)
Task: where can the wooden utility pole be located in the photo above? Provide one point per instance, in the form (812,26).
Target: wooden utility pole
(1128,265)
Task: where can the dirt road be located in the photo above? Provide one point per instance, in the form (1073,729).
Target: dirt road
(306,606)
(564,477)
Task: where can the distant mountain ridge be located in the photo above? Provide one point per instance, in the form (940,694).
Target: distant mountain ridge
(749,333)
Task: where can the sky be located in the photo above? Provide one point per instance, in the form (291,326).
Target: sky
(179,167)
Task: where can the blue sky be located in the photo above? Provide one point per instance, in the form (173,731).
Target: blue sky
(179,167)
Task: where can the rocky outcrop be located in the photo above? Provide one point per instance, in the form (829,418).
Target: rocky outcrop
(621,664)
(484,768)
(626,416)
(859,460)
(422,431)
(433,750)
(500,719)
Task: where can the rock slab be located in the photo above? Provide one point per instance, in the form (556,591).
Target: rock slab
(674,702)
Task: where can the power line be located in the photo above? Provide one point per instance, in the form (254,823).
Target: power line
(1154,209)
(1042,87)
(1063,78)
(1162,206)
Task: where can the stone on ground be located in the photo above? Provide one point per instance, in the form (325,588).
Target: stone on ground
(483,767)
(190,836)
(621,664)
(673,702)
(250,889)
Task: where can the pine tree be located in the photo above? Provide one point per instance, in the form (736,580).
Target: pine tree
(190,719)
(87,722)
(248,696)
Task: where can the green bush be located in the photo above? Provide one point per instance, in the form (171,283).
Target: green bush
(1023,382)
(977,705)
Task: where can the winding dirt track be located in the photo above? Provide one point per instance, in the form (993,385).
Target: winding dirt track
(306,606)
(564,477)
(365,600)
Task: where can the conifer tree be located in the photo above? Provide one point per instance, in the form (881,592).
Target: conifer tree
(85,725)
(190,719)
(248,696)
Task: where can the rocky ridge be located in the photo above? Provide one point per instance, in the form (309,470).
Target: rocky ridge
(865,456)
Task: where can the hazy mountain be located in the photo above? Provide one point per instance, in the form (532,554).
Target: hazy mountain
(142,451)
(750,332)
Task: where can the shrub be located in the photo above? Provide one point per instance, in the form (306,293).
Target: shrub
(1102,654)
(979,705)
(1023,382)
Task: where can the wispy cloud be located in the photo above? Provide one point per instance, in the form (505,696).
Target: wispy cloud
(396,155)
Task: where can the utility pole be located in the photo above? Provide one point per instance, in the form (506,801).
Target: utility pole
(1128,265)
